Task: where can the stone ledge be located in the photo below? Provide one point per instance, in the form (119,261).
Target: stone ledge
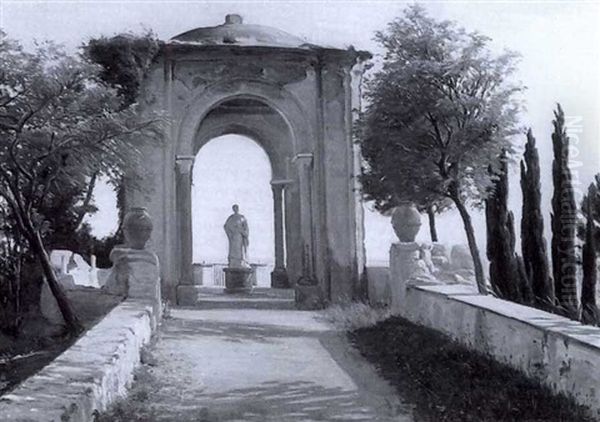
(89,375)
(558,352)
(572,330)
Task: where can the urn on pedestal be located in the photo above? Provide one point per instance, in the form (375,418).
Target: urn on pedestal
(406,221)
(137,227)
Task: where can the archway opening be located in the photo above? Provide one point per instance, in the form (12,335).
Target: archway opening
(231,169)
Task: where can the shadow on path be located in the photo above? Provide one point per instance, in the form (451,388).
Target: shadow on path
(247,359)
(273,401)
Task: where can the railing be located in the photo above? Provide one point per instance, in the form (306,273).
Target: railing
(213,275)
(218,274)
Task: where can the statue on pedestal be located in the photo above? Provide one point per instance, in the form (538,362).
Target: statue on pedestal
(236,228)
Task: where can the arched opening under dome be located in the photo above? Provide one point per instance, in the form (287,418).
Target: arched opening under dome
(231,169)
(245,146)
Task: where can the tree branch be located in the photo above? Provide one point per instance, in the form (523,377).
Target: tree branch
(86,202)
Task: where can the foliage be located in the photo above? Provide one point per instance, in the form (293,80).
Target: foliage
(505,276)
(533,243)
(440,111)
(101,248)
(595,212)
(589,308)
(125,60)
(14,253)
(563,221)
(64,208)
(59,125)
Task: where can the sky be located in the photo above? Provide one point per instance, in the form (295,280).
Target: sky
(560,63)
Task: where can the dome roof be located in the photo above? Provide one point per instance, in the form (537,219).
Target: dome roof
(235,32)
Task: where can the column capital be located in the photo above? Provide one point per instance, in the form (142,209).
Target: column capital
(304,158)
(183,163)
(277,190)
(281,182)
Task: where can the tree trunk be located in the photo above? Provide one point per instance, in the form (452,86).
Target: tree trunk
(71,320)
(86,202)
(432,229)
(478,266)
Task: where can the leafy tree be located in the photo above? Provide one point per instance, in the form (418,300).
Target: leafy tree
(589,308)
(64,208)
(14,252)
(59,123)
(439,113)
(533,243)
(563,220)
(388,195)
(125,60)
(505,276)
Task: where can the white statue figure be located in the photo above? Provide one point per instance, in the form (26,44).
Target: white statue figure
(236,228)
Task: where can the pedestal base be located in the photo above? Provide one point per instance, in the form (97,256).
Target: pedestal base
(309,297)
(238,280)
(279,279)
(188,295)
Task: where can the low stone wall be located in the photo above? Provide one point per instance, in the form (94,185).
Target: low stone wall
(560,353)
(91,374)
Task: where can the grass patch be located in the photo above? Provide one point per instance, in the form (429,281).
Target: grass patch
(137,406)
(447,382)
(354,315)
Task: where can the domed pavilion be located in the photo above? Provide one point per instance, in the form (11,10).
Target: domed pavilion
(295,99)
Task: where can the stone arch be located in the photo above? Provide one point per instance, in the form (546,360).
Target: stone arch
(272,135)
(278,98)
(282,137)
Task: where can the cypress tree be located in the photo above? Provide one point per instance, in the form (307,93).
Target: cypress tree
(595,212)
(563,221)
(589,313)
(504,272)
(533,243)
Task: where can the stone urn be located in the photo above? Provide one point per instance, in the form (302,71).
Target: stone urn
(406,221)
(137,227)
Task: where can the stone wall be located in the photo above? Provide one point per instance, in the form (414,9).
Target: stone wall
(91,374)
(378,279)
(558,352)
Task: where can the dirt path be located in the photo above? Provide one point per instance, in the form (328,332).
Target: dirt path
(242,360)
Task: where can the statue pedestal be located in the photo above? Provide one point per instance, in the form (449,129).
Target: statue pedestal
(309,297)
(238,280)
(135,275)
(279,279)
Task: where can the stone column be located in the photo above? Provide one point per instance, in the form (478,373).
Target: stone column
(279,277)
(304,166)
(183,167)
